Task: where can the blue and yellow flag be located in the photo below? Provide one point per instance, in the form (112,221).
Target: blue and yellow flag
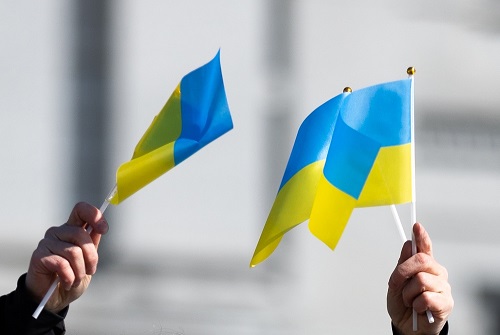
(196,113)
(352,151)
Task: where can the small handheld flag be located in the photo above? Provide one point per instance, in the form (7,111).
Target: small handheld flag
(352,151)
(196,113)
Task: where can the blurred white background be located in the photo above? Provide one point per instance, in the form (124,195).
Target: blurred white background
(80,81)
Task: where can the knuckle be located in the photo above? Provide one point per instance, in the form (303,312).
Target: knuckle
(421,277)
(79,276)
(444,272)
(41,244)
(451,303)
(38,253)
(422,259)
(80,236)
(92,259)
(421,280)
(74,252)
(50,232)
(427,298)
(392,283)
(65,271)
(81,204)
(64,267)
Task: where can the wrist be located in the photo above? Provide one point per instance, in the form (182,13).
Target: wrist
(396,331)
(30,285)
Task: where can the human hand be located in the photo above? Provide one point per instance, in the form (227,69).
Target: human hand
(419,282)
(71,253)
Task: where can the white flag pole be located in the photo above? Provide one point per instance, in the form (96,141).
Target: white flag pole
(411,71)
(53,287)
(399,226)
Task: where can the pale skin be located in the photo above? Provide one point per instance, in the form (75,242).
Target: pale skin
(69,252)
(419,282)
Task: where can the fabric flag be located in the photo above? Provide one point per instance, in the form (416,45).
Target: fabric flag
(352,151)
(196,113)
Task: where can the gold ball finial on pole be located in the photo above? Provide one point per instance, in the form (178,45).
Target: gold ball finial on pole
(411,71)
(347,89)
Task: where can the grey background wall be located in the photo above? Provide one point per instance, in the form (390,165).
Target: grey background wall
(81,81)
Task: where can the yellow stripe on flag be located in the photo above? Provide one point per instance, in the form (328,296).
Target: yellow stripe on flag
(292,206)
(330,213)
(137,173)
(389,181)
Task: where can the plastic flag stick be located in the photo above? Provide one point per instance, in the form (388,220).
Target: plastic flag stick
(397,220)
(411,71)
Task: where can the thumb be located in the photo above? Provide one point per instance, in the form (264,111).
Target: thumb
(422,239)
(84,214)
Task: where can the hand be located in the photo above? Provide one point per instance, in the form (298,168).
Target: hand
(71,253)
(419,282)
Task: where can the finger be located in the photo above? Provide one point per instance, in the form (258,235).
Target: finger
(412,266)
(397,278)
(85,214)
(59,265)
(66,233)
(72,254)
(439,303)
(420,262)
(61,241)
(422,239)
(96,238)
(420,284)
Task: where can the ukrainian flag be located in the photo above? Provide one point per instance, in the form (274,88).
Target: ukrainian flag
(196,113)
(353,151)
